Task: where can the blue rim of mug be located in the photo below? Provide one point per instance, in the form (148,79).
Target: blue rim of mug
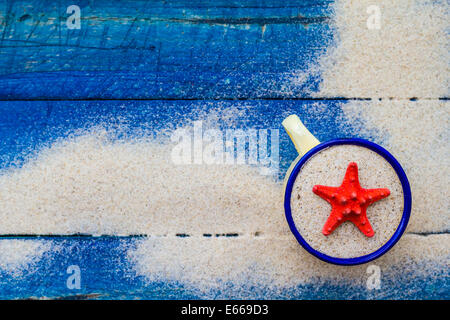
(406,196)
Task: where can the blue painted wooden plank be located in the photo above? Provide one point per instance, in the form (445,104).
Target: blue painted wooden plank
(107,274)
(27,126)
(154,49)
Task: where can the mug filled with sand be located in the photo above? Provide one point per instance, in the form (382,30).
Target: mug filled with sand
(347,201)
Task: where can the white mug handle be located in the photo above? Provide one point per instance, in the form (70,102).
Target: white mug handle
(301,137)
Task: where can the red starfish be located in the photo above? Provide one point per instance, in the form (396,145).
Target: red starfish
(349,202)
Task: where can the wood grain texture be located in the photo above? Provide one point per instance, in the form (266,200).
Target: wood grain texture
(28,126)
(159,50)
(145,63)
(108,274)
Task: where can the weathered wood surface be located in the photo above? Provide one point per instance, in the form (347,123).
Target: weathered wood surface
(159,50)
(27,126)
(106,274)
(159,63)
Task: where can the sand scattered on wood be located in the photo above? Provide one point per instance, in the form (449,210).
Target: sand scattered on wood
(18,256)
(407,57)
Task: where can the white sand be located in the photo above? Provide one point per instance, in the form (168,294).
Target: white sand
(18,256)
(407,57)
(310,212)
(272,262)
(91,184)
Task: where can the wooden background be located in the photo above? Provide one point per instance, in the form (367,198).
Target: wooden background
(154,62)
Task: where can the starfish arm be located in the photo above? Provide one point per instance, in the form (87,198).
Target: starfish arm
(363,224)
(373,195)
(351,175)
(333,221)
(325,192)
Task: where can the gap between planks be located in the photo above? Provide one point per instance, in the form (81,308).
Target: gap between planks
(226,99)
(256,234)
